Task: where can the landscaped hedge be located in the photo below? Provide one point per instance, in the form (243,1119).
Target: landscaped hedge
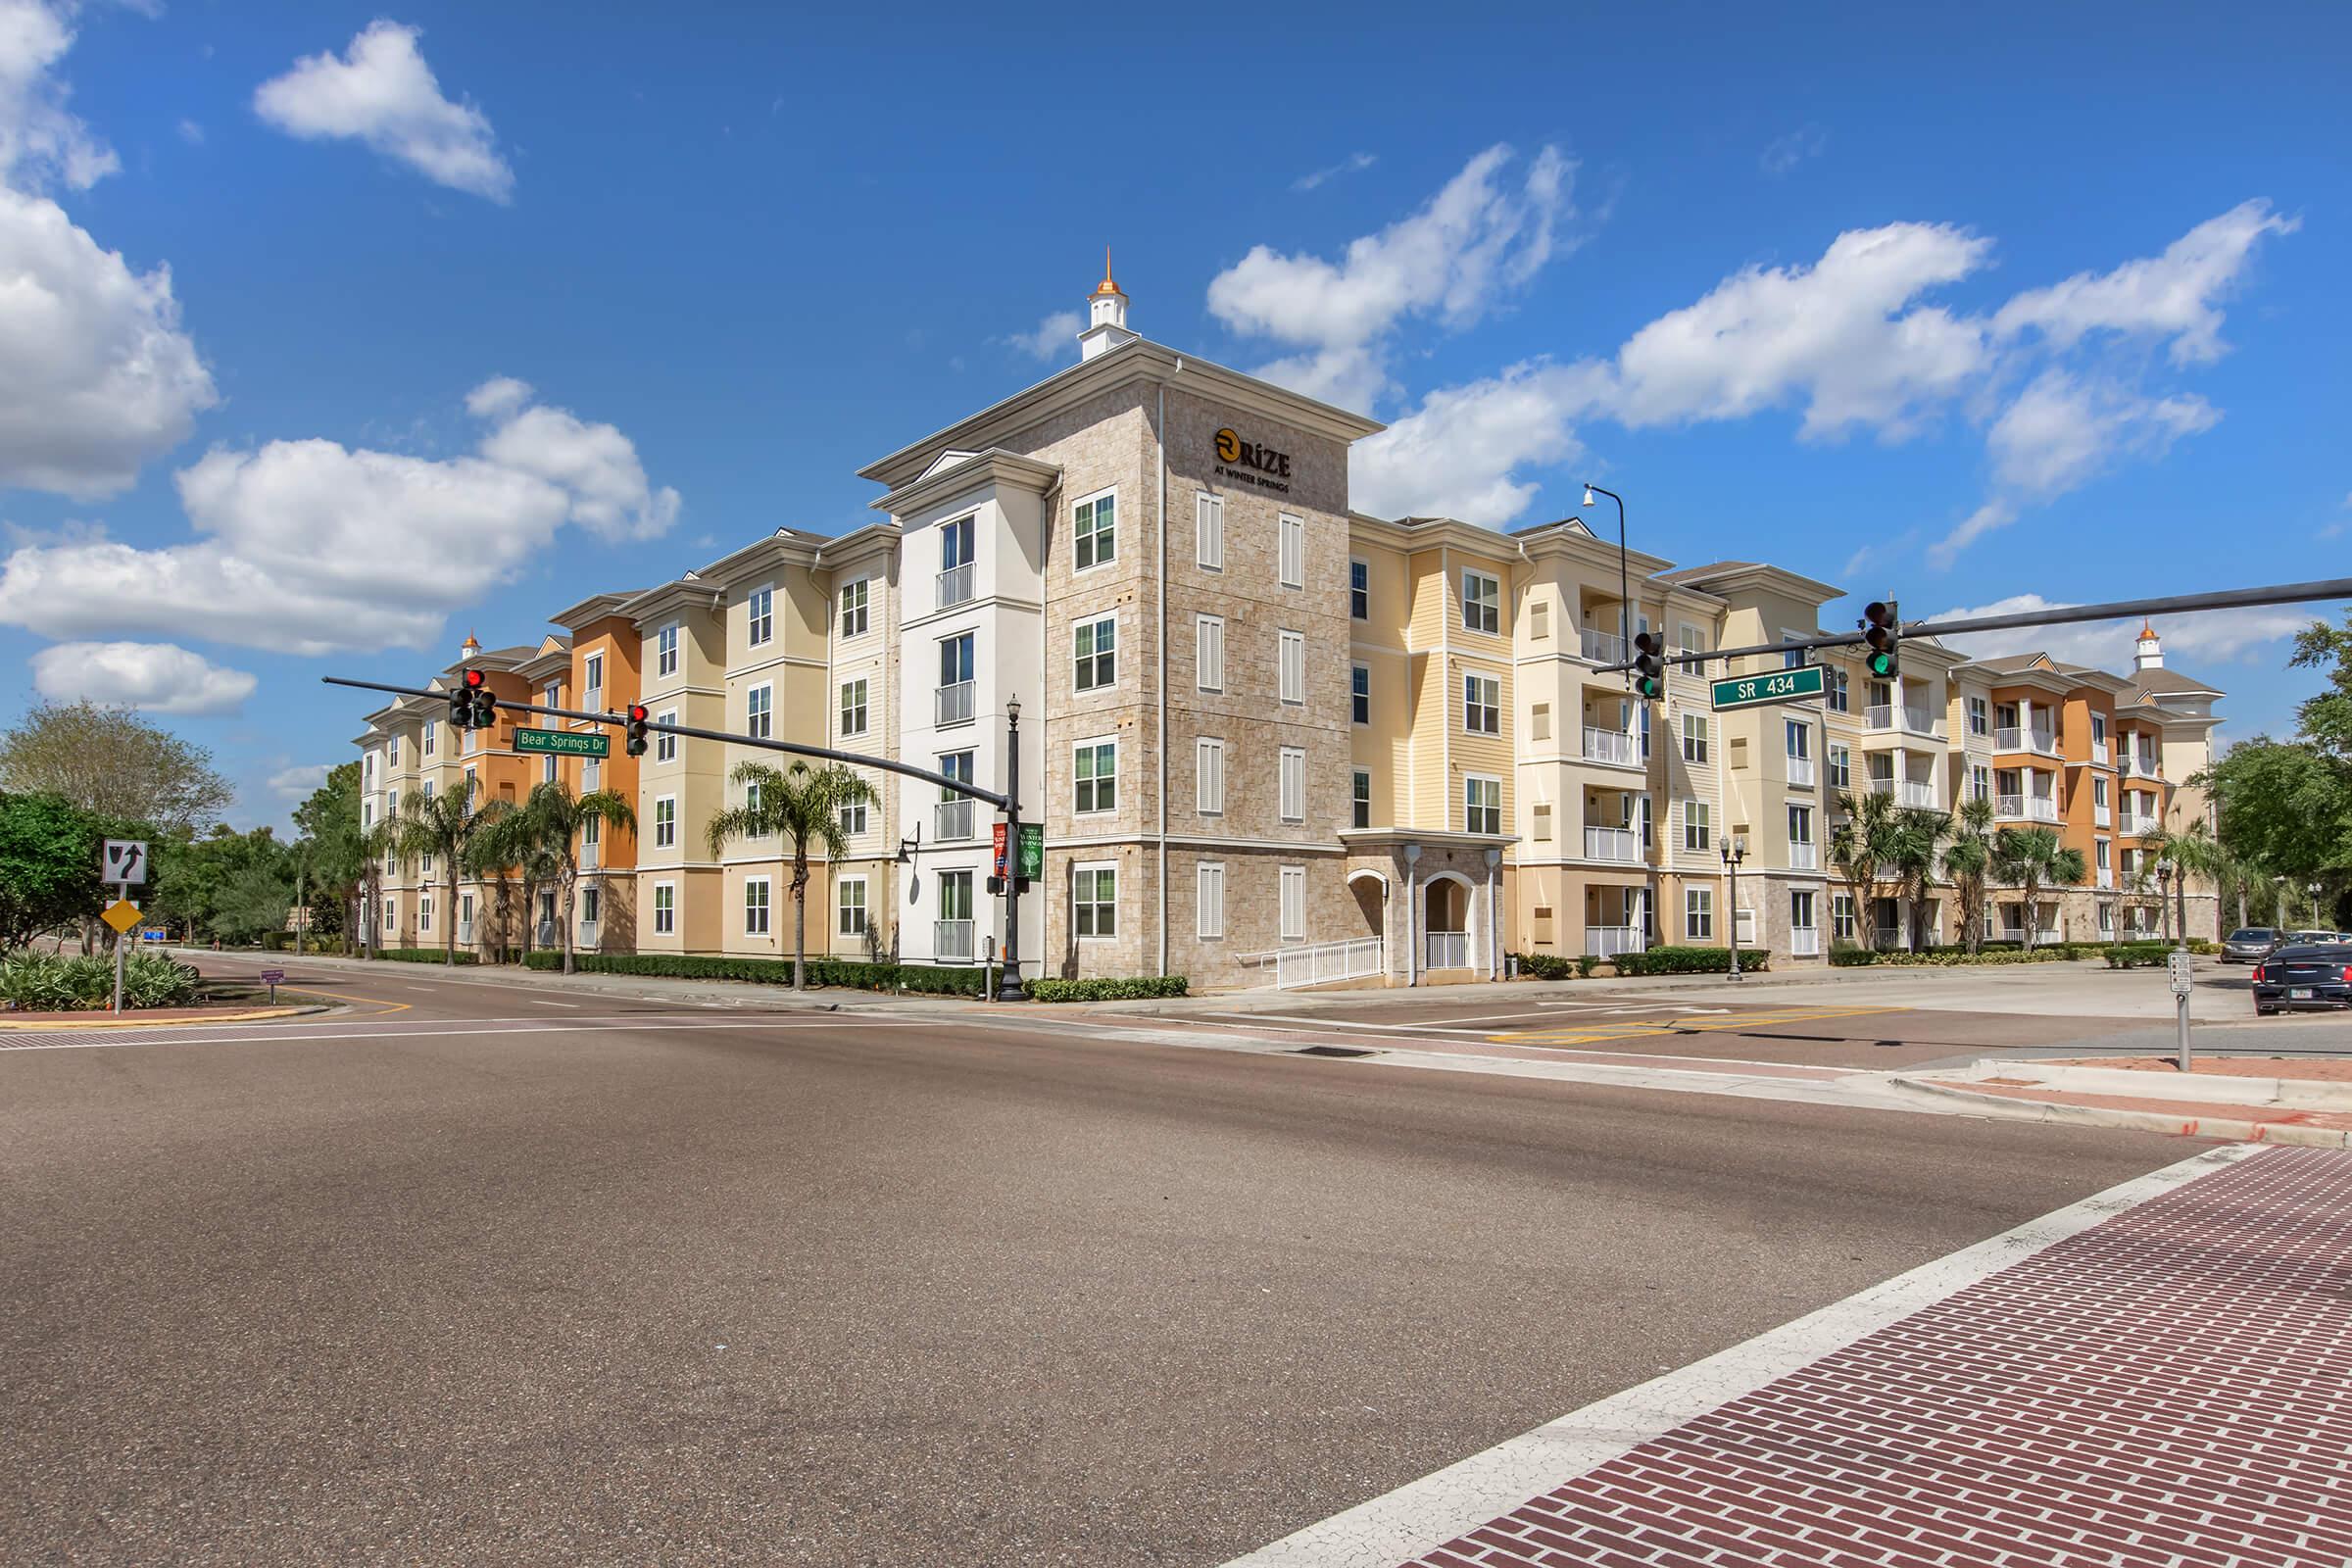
(422,955)
(853,973)
(40,982)
(1164,985)
(1690,961)
(2119,954)
(1553,966)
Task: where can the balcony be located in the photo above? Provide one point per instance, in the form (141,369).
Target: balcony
(2098,753)
(1805,942)
(955,704)
(1601,647)
(951,820)
(952,940)
(1906,792)
(1910,721)
(2106,881)
(2101,816)
(956,586)
(1621,845)
(592,854)
(2039,741)
(2025,808)
(1608,941)
(1449,949)
(1613,745)
(2135,824)
(1801,770)
(1805,858)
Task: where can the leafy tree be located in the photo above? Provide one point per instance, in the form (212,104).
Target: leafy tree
(193,879)
(508,846)
(442,826)
(252,902)
(803,803)
(112,764)
(376,843)
(2030,859)
(1858,846)
(2325,721)
(1914,835)
(553,818)
(2192,851)
(48,865)
(1967,860)
(327,854)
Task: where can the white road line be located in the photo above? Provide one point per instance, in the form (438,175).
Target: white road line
(1425,1514)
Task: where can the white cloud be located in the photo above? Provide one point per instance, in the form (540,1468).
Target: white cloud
(100,376)
(40,142)
(2214,636)
(159,677)
(381,92)
(294,785)
(307,546)
(2171,295)
(1471,244)
(1457,455)
(2063,430)
(1783,152)
(1353,162)
(1052,338)
(191,132)
(1993,515)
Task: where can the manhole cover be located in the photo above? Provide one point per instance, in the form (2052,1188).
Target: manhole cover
(1332,1051)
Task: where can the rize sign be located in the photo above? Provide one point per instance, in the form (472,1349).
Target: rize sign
(1252,464)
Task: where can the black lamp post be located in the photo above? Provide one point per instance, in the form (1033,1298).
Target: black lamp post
(1008,979)
(1733,851)
(1625,602)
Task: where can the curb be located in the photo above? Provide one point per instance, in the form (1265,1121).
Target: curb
(130,1021)
(2145,1121)
(2295,1093)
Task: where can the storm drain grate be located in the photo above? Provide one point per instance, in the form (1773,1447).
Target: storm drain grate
(1333,1050)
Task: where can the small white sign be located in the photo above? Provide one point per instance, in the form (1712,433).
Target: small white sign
(2182,984)
(124,861)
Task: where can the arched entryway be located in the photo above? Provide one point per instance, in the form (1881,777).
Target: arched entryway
(1447,909)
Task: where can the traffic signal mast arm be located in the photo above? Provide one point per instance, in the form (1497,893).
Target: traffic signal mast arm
(2293,593)
(620,720)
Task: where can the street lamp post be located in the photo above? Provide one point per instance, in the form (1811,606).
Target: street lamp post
(1733,851)
(1625,602)
(1008,980)
(2314,891)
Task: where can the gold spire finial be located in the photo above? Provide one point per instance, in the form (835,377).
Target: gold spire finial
(2147,630)
(1107,287)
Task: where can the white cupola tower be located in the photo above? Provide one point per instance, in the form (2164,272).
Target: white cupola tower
(2148,653)
(1105,316)
(469,649)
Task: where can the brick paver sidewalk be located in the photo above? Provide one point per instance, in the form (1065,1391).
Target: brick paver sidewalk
(2172,1386)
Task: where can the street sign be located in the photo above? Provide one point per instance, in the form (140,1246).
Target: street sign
(1775,686)
(124,861)
(274,977)
(1033,851)
(122,914)
(152,934)
(2184,981)
(563,742)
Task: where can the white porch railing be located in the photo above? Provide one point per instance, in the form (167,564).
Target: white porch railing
(951,938)
(1803,857)
(1913,720)
(1322,962)
(1449,949)
(2106,880)
(1608,941)
(1914,793)
(1801,770)
(2100,816)
(1612,745)
(1805,942)
(956,586)
(465,933)
(1619,844)
(952,820)
(2027,808)
(956,703)
(2013,739)
(1601,647)
(2098,752)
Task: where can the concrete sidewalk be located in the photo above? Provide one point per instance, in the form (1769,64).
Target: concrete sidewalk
(2280,1101)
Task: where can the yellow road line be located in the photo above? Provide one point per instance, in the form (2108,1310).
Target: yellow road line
(1598,1033)
(132,1020)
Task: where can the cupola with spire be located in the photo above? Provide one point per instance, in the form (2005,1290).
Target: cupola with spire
(469,649)
(1106,315)
(2148,653)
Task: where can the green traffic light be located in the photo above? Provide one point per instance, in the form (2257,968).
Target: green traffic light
(1881,664)
(1648,687)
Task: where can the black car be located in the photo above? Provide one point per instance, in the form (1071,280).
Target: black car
(2304,976)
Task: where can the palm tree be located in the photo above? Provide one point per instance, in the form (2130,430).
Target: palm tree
(553,819)
(803,803)
(2192,851)
(2029,859)
(496,852)
(376,843)
(1858,845)
(1914,835)
(1966,861)
(442,826)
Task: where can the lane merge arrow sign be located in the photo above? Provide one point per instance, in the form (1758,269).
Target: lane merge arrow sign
(124,862)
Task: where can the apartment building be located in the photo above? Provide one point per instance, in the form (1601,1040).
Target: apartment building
(1271,738)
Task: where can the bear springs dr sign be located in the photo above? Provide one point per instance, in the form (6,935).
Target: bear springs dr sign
(1252,464)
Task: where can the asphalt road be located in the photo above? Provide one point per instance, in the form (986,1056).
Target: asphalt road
(618,1282)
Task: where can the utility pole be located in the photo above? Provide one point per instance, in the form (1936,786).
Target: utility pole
(1733,851)
(1008,979)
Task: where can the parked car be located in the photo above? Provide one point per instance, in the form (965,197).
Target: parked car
(2250,944)
(2307,939)
(2304,975)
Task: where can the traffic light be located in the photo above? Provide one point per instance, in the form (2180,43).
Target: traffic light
(483,705)
(1649,664)
(1881,632)
(637,718)
(461,706)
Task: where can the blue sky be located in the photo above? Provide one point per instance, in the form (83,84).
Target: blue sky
(341,332)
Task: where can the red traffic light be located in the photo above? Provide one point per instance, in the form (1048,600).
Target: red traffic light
(475,680)
(638,713)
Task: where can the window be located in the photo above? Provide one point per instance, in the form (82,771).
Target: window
(1481,705)
(1094,903)
(592,776)
(1799,740)
(392,744)
(758,712)
(666,745)
(1841,700)
(1698,914)
(1842,917)
(552,695)
(849,907)
(1208,900)
(1360,693)
(1694,826)
(763,617)
(1208,531)
(954,695)
(547,773)
(954,555)
(592,832)
(1360,793)
(1208,652)
(1539,621)
(1208,777)
(2098,729)
(1482,602)
(1482,804)
(1294,667)
(1097,776)
(755,906)
(1293,882)
(1800,911)
(368,771)
(2107,919)
(1293,783)
(2100,845)
(1291,550)
(425,865)
(1540,721)
(665,649)
(1644,727)
(1694,737)
(424,913)
(1542,817)
(1689,639)
(1979,720)
(665,908)
(665,821)
(853,707)
(1800,834)
(954,817)
(854,607)
(594,685)
(1097,652)
(1095,530)
(751,804)
(1359,590)
(1979,781)
(852,818)
(431,735)
(2098,791)
(1841,767)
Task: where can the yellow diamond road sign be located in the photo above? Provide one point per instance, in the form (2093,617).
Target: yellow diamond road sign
(122,914)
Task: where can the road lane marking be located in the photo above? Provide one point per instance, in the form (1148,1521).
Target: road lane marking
(539,1027)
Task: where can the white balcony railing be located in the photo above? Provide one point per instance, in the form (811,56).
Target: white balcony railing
(2123,765)
(2101,816)
(2098,752)
(1608,941)
(592,854)
(1619,844)
(2145,767)
(952,820)
(956,586)
(593,699)
(1805,942)
(956,703)
(465,933)
(1914,793)
(1801,770)
(2135,824)
(1322,962)
(1805,858)
(951,938)
(1601,647)
(1914,721)
(1449,949)
(2013,739)
(2106,880)
(1614,746)
(2026,808)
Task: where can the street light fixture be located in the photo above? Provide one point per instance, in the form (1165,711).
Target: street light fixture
(1732,851)
(1625,602)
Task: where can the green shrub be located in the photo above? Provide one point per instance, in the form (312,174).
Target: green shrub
(1551,966)
(39,983)
(422,955)
(1690,960)
(1167,985)
(852,973)
(1845,955)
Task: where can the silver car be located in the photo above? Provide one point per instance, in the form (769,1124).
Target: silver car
(2248,944)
